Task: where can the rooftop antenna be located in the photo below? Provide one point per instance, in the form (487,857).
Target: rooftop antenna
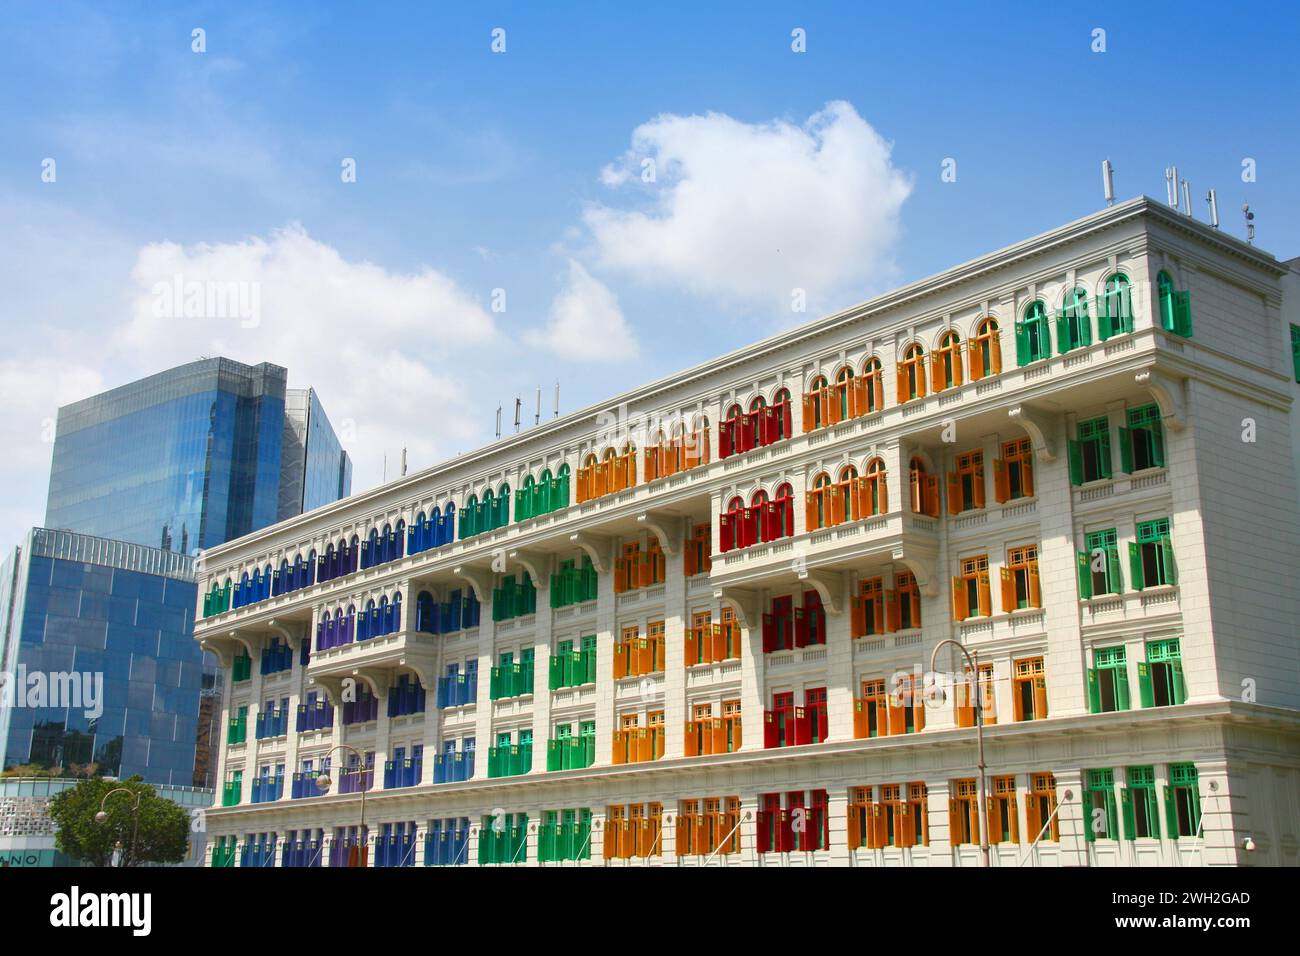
(403,461)
(557,399)
(1187,199)
(537,418)
(385,478)
(1213,200)
(1108,181)
(498,421)
(1250,222)
(518,404)
(1171,185)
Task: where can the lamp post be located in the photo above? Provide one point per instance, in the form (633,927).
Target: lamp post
(323,783)
(102,815)
(979,739)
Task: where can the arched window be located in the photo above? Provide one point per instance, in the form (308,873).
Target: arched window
(1073,327)
(783,511)
(731,438)
(1116,316)
(503,506)
(781,411)
(848,404)
(817,404)
(945,364)
(730,525)
(986,352)
(758,499)
(845,506)
(1032,341)
(398,541)
(873,496)
(469,518)
(544,494)
(560,490)
(911,374)
(397,612)
(819,502)
(873,390)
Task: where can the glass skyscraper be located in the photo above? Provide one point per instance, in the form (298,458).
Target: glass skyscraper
(193,456)
(100,670)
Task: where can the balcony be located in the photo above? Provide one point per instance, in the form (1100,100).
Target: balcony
(272,723)
(237,731)
(573,669)
(353,780)
(447,843)
(303,785)
(638,745)
(318,715)
(637,656)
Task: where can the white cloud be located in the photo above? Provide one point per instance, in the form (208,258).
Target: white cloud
(745,213)
(385,351)
(586,322)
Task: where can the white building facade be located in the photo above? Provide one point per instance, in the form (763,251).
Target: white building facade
(695,626)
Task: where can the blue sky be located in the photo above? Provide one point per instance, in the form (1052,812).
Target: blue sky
(479,171)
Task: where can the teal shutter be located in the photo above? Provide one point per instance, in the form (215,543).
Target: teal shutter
(1063,343)
(1022,344)
(1094,692)
(1103,453)
(1157,445)
(1135,566)
(1104,328)
(1167,561)
(1121,688)
(1125,450)
(1085,574)
(1076,462)
(1180,683)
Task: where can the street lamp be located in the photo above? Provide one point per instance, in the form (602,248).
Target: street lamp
(102,816)
(323,783)
(979,739)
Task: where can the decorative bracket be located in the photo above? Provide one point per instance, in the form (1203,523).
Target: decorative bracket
(536,563)
(479,579)
(666,527)
(1169,394)
(922,568)
(1026,418)
(744,602)
(292,636)
(596,547)
(829,586)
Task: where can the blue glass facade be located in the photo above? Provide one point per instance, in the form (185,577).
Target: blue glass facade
(110,612)
(191,457)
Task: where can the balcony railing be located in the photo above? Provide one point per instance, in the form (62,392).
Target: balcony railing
(267,789)
(510,761)
(457,690)
(573,669)
(570,753)
(710,643)
(403,773)
(512,680)
(453,767)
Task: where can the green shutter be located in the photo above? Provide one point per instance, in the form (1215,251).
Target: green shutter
(1180,683)
(1076,462)
(1114,580)
(1022,344)
(1121,687)
(1085,574)
(1094,692)
(1125,450)
(1103,453)
(1104,328)
(1063,343)
(1135,566)
(1167,561)
(1171,814)
(1126,805)
(1146,694)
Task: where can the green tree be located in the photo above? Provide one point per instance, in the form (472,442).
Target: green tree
(159,833)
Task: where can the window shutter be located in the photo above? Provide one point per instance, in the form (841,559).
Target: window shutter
(1171,814)
(1125,450)
(857,617)
(1094,692)
(954,494)
(1121,688)
(1001,481)
(937,380)
(1075,454)
(900,381)
(977,488)
(957,379)
(1114,580)
(960,601)
(1008,590)
(1022,344)
(1084,565)
(1040,698)
(985,599)
(1180,682)
(995,355)
(1135,566)
(1035,588)
(1167,560)
(893,612)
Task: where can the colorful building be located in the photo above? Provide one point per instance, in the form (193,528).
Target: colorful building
(723,619)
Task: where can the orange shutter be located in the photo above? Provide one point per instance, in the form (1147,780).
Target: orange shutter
(1001,481)
(985,599)
(719,735)
(837,504)
(1033,821)
(977,488)
(692,748)
(879,833)
(809,412)
(1008,590)
(893,611)
(932,495)
(858,617)
(1013,812)
(897,715)
(719,643)
(954,493)
(878,614)
(904,832)
(651,460)
(1035,590)
(690,560)
(901,382)
(937,382)
(860,726)
(995,353)
(1040,698)
(884,494)
(854,828)
(918,710)
(810,511)
(1027,472)
(692,646)
(858,401)
(957,378)
(960,602)
(973,355)
(954,822)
